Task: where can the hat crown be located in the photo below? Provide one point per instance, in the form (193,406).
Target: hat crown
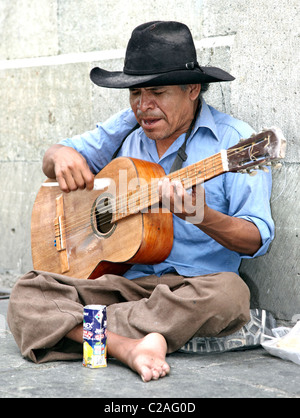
(158,47)
(159,54)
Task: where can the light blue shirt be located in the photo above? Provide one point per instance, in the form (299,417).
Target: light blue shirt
(193,253)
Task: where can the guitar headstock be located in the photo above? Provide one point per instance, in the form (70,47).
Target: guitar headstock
(262,149)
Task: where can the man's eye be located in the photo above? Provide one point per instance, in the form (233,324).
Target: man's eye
(134,92)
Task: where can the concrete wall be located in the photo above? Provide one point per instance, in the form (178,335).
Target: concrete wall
(47,48)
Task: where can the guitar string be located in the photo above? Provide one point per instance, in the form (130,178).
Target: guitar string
(143,196)
(147,194)
(75,228)
(138,196)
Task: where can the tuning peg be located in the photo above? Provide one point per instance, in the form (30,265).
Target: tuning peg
(243,171)
(252,173)
(265,169)
(277,165)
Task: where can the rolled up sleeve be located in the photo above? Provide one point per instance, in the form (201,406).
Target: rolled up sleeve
(251,201)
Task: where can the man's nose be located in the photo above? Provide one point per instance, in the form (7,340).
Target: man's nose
(145,102)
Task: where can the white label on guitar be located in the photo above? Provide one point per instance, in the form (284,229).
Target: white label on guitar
(50,184)
(99,184)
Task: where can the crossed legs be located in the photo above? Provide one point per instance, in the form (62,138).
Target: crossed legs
(147,317)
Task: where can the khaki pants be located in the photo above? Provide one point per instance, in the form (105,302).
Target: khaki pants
(44,307)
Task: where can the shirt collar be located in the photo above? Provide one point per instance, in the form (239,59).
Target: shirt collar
(206,120)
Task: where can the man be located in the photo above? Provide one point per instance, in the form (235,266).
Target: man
(155,309)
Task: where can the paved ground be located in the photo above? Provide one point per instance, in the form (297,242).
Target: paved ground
(243,374)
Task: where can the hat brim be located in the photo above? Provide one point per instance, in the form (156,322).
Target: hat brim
(119,80)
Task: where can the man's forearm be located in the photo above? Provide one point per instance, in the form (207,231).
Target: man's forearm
(233,233)
(236,234)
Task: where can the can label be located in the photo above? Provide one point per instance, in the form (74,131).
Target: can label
(94,336)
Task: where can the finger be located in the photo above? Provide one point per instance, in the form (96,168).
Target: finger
(62,184)
(71,180)
(88,178)
(82,174)
(198,192)
(176,197)
(78,180)
(196,212)
(178,190)
(66,181)
(166,193)
(172,195)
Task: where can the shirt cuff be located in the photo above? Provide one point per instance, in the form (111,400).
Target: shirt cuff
(266,233)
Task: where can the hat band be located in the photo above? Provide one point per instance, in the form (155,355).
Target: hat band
(188,66)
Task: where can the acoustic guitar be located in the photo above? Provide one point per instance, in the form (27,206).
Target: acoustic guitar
(86,234)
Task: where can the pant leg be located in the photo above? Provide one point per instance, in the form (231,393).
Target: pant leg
(44,307)
(179,308)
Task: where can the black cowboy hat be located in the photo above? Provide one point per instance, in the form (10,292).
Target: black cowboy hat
(159,53)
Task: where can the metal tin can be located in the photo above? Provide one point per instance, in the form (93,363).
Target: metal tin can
(94,336)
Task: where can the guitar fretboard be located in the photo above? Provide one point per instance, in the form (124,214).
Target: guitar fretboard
(147,196)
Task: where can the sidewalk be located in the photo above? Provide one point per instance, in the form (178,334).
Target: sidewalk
(242,374)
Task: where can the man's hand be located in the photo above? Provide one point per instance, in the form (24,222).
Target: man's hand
(187,206)
(68,167)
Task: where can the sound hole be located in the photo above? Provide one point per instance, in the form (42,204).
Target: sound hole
(102,216)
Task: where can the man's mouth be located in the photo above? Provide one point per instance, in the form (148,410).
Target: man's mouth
(149,123)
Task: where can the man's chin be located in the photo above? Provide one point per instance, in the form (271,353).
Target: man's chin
(154,130)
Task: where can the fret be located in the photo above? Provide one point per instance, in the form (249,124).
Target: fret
(195,171)
(204,170)
(214,168)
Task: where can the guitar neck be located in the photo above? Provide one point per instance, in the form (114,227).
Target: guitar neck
(147,196)
(202,170)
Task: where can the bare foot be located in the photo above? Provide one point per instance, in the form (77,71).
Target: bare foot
(146,356)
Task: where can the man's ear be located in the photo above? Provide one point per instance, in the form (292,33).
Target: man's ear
(194,91)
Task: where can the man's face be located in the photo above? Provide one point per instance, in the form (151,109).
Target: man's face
(164,112)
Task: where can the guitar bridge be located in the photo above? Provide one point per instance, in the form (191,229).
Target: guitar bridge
(60,234)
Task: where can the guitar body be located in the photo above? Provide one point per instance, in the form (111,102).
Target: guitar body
(72,235)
